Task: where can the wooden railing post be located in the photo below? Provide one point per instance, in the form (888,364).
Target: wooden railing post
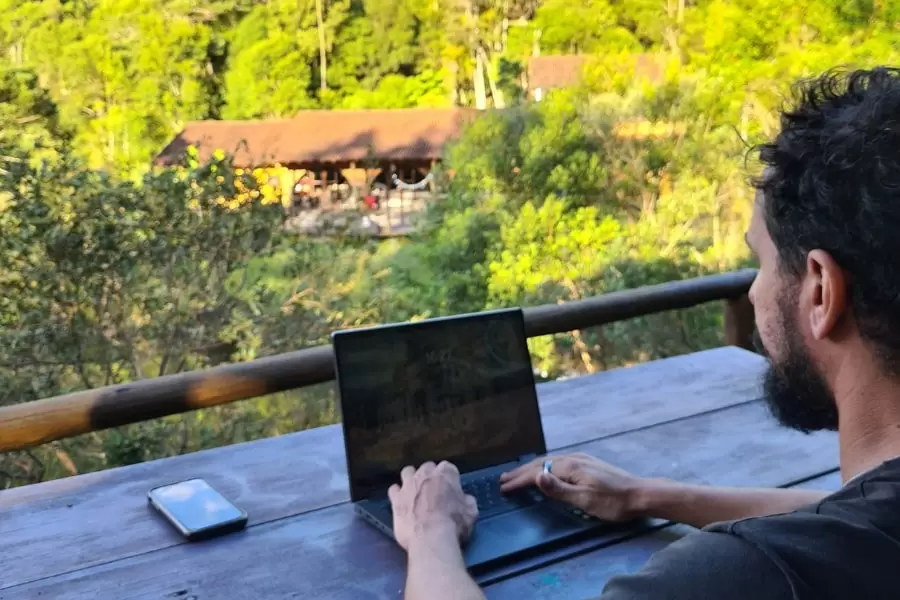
(739,322)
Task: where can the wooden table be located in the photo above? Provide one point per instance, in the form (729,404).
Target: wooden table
(697,418)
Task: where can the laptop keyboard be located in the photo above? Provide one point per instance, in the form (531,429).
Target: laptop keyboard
(486,492)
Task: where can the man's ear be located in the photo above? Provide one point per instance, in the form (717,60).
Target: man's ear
(829,293)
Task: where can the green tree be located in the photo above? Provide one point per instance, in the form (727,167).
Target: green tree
(108,281)
(576,28)
(29,119)
(634,178)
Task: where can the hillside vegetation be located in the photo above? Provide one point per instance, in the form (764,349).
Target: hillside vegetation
(113,272)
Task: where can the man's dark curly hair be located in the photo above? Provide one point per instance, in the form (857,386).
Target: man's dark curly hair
(832,181)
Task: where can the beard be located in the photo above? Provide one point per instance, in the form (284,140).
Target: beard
(796,392)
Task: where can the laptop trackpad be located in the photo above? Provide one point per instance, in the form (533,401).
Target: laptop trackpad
(517,531)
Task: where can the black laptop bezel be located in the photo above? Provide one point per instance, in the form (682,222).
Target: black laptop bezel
(338,336)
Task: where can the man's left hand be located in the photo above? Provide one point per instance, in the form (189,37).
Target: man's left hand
(430,499)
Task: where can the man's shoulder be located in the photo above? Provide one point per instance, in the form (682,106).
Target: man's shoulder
(819,547)
(841,525)
(708,563)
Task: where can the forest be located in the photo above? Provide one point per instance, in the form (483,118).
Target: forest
(114,271)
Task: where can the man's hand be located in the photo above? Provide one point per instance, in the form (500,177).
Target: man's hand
(430,500)
(612,494)
(583,481)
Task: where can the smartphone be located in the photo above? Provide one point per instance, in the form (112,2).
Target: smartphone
(196,509)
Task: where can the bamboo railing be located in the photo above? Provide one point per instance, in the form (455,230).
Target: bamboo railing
(33,423)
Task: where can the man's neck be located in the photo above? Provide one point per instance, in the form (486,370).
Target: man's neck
(869,408)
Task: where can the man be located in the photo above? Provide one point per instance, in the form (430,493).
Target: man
(826,233)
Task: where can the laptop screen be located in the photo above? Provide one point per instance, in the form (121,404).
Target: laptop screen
(458,389)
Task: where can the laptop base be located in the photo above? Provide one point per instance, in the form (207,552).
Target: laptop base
(508,536)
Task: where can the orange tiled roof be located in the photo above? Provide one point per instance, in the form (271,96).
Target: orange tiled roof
(548,72)
(324,136)
(565,70)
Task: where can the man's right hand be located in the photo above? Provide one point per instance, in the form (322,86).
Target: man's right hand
(588,483)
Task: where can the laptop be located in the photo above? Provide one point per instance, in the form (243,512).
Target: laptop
(460,389)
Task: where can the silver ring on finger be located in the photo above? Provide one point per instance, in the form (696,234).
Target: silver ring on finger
(548,464)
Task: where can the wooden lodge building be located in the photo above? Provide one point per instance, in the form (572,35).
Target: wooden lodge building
(329,150)
(344,155)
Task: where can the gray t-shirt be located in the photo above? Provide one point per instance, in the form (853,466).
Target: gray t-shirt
(847,546)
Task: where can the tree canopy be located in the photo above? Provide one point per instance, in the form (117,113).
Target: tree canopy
(114,272)
(127,74)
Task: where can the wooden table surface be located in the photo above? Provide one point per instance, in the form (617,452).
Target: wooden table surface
(697,418)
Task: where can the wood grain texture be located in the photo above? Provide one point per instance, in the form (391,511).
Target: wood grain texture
(102,516)
(331,554)
(586,575)
(585,408)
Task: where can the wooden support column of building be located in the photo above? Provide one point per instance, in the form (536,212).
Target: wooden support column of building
(326,193)
(287,179)
(387,212)
(357,178)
